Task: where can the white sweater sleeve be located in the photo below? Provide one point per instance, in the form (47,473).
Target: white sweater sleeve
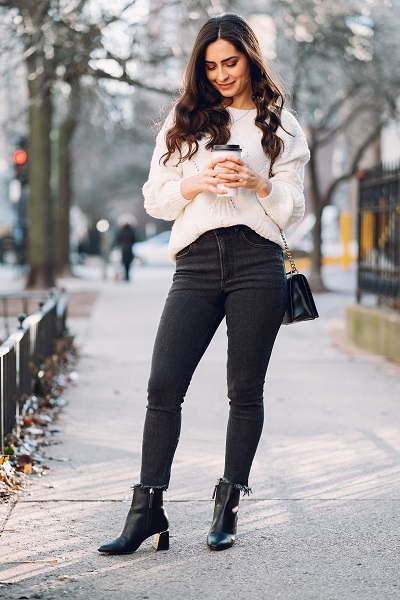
(285,204)
(162,190)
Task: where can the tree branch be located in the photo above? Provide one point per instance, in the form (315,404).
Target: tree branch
(124,78)
(19,4)
(343,125)
(363,147)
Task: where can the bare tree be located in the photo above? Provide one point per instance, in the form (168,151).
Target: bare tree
(62,44)
(335,56)
(344,85)
(70,48)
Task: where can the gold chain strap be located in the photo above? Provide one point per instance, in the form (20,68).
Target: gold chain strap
(293,268)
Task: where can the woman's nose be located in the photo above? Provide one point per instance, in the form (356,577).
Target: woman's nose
(222,74)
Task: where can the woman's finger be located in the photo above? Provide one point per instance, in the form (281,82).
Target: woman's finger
(227,159)
(234,162)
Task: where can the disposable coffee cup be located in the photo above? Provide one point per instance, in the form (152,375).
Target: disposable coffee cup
(226,150)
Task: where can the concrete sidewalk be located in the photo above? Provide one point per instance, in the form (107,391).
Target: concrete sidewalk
(323,520)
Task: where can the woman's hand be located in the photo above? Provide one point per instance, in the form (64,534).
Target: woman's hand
(207,179)
(238,173)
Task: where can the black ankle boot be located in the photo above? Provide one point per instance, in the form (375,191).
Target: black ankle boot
(222,534)
(146,517)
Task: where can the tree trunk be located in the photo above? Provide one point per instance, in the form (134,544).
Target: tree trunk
(62,221)
(315,277)
(40,239)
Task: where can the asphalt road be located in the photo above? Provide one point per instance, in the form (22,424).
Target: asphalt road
(323,520)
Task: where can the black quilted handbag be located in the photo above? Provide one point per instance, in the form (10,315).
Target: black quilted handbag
(300,301)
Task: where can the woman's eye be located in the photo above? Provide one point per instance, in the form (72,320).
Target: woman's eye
(211,67)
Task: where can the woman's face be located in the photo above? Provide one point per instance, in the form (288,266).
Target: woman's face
(228,70)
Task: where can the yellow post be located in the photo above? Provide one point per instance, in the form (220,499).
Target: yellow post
(345,236)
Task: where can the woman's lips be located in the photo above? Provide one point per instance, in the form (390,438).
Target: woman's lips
(225,86)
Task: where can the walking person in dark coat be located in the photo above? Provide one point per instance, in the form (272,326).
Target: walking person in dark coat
(126,237)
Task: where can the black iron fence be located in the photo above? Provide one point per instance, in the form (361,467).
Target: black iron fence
(17,303)
(379,235)
(32,342)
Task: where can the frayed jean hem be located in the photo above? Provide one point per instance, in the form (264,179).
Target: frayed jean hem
(149,487)
(245,489)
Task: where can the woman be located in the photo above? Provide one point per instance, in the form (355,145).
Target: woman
(229,261)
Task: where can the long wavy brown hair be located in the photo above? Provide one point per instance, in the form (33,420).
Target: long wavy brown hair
(200,112)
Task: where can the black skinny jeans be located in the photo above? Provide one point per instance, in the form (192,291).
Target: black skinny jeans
(229,272)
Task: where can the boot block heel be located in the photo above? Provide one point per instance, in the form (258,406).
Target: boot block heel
(161,541)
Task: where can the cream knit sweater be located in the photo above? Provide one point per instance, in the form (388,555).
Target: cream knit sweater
(283,207)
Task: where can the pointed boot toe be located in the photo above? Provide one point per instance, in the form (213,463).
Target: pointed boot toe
(117,546)
(146,517)
(218,541)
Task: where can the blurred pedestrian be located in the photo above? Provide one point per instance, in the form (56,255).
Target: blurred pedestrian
(125,239)
(229,261)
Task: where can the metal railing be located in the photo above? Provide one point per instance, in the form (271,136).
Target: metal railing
(19,303)
(379,235)
(32,342)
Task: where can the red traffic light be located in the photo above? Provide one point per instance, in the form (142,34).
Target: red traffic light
(20,157)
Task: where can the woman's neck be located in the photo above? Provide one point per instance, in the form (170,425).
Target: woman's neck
(243,100)
(243,108)
(241,104)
